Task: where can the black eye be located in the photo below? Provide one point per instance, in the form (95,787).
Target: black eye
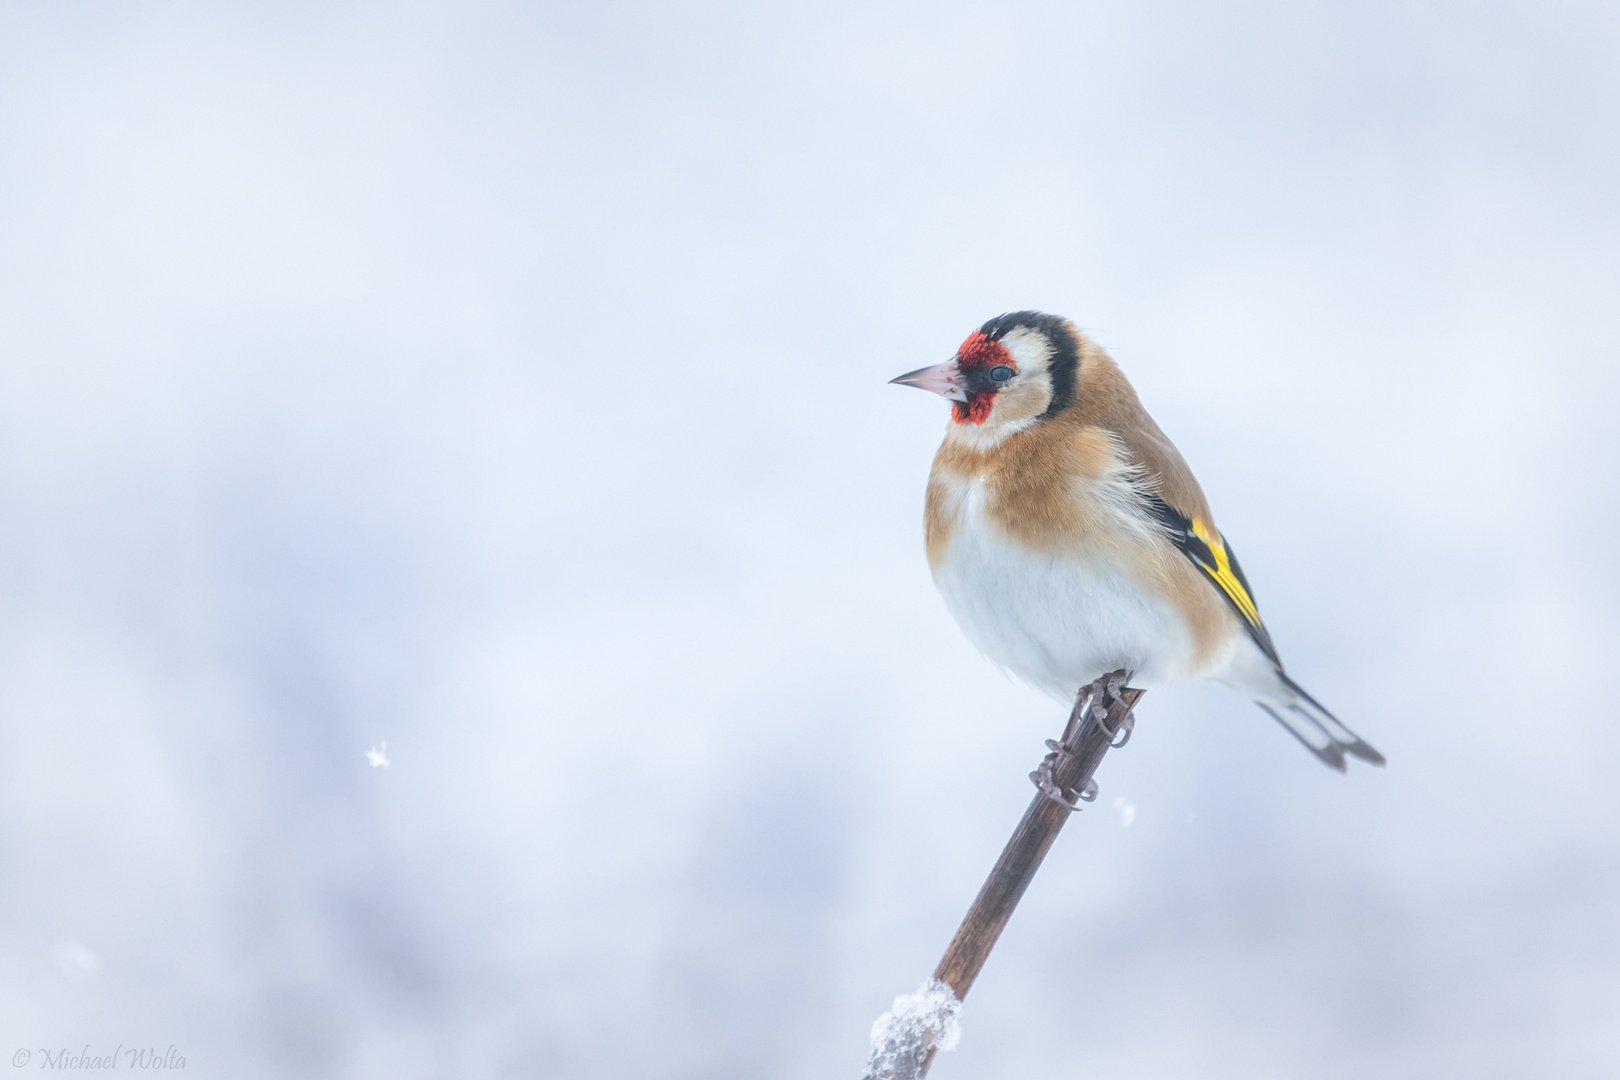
(1000,373)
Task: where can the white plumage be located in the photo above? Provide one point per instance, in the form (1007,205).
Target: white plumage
(1057,620)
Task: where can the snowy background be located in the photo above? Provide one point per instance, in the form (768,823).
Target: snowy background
(507,383)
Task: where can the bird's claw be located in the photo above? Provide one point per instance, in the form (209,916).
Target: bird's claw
(1093,703)
(1042,779)
(1111,687)
(1114,683)
(1117,739)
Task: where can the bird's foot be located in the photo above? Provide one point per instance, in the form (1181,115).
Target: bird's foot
(1092,706)
(1042,779)
(1107,696)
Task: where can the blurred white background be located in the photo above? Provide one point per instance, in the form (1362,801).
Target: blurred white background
(508,382)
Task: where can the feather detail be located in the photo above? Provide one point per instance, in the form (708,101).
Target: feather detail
(1206,549)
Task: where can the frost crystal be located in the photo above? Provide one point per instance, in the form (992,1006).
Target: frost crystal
(377,757)
(902,1037)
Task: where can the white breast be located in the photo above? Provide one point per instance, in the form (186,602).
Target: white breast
(1056,620)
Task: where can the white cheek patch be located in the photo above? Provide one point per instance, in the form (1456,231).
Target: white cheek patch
(1030,349)
(1022,401)
(1025,398)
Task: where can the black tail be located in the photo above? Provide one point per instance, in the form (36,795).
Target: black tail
(1318,730)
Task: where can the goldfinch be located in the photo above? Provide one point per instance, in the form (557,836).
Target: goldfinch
(1069,538)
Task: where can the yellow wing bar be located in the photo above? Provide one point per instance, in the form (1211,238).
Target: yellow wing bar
(1206,549)
(1221,573)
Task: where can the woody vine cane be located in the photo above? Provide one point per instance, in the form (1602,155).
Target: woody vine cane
(1102,719)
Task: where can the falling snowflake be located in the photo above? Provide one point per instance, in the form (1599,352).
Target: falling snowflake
(1127,811)
(76,962)
(377,756)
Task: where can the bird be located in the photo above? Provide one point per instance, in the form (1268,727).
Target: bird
(1069,538)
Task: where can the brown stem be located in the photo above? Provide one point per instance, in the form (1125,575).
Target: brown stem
(1084,743)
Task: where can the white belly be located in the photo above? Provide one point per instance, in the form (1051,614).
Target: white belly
(1057,621)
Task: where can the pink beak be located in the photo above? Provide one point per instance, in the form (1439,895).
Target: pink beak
(943,379)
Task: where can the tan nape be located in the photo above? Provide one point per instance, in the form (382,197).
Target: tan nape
(1104,398)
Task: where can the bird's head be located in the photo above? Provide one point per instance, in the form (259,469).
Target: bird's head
(1010,373)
